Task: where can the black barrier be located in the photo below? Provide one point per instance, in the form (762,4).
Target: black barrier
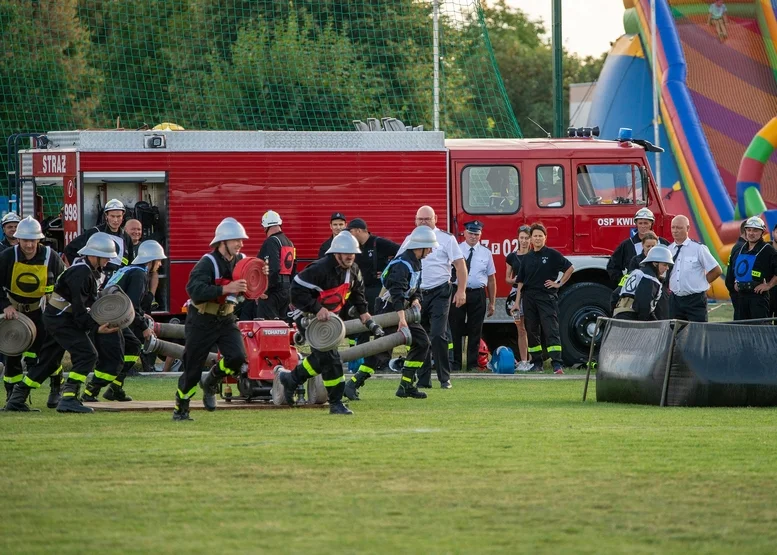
(678,363)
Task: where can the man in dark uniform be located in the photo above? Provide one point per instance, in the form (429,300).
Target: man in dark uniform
(114,216)
(400,291)
(631,247)
(278,251)
(642,290)
(322,289)
(210,320)
(27,274)
(9,222)
(336,224)
(69,326)
(752,272)
(118,352)
(537,284)
(732,293)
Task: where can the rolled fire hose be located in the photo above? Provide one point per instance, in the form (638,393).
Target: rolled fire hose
(16,335)
(170,331)
(325,335)
(387,320)
(251,270)
(165,348)
(113,308)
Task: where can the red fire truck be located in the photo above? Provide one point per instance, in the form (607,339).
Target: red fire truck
(180,184)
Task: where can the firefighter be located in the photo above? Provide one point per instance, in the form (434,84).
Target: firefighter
(537,284)
(68,327)
(210,319)
(279,252)
(401,290)
(323,289)
(752,272)
(10,221)
(114,211)
(643,288)
(631,247)
(733,295)
(336,225)
(118,352)
(27,274)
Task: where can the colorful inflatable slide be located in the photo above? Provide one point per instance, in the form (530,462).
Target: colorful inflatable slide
(717,99)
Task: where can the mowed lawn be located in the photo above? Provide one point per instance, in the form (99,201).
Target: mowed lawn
(489,466)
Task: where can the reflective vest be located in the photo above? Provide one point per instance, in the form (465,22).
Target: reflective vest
(30,280)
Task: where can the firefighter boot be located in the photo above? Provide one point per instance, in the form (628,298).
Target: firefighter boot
(352,386)
(91,392)
(210,387)
(339,408)
(290,384)
(181,411)
(115,392)
(408,391)
(8,390)
(17,400)
(70,401)
(55,382)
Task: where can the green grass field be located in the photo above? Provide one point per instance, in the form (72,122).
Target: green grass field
(489,466)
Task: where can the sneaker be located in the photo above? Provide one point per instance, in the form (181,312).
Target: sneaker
(524,366)
(558,370)
(446,385)
(536,368)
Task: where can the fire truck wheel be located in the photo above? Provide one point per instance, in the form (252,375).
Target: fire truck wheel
(579,306)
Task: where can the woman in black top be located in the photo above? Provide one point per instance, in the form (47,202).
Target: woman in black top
(538,284)
(513,309)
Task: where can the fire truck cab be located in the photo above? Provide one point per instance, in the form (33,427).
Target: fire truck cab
(180,184)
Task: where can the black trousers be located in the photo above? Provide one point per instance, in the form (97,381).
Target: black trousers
(467,321)
(689,307)
(203,333)
(435,306)
(329,365)
(540,310)
(275,306)
(116,354)
(62,335)
(752,306)
(13,364)
(734,303)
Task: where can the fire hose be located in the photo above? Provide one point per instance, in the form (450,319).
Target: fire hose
(327,335)
(16,335)
(114,308)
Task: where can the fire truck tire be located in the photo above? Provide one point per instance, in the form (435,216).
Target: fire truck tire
(579,306)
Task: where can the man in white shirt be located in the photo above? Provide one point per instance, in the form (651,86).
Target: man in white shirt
(467,320)
(694,269)
(436,293)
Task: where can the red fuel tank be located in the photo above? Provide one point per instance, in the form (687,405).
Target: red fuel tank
(269,343)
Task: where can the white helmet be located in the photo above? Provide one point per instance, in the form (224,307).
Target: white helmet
(228,229)
(644,214)
(100,244)
(344,243)
(10,218)
(148,251)
(755,223)
(29,228)
(659,253)
(271,218)
(422,237)
(114,204)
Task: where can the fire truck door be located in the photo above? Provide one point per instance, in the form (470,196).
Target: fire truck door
(549,186)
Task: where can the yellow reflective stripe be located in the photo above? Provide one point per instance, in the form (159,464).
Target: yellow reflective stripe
(75,376)
(353,379)
(28,354)
(406,379)
(554,348)
(182,395)
(69,394)
(29,383)
(413,363)
(622,282)
(332,383)
(99,375)
(756,274)
(307,366)
(536,349)
(351,342)
(366,369)
(117,382)
(58,371)
(13,379)
(49,289)
(221,365)
(124,261)
(450,345)
(131,358)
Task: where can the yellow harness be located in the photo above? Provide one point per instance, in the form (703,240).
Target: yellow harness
(30,280)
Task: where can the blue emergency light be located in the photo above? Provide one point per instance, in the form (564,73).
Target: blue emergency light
(625,134)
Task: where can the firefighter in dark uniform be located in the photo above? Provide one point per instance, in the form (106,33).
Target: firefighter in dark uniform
(118,352)
(322,289)
(400,290)
(336,224)
(69,326)
(279,252)
(9,223)
(27,274)
(631,247)
(114,216)
(538,284)
(642,290)
(210,319)
(732,293)
(752,272)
